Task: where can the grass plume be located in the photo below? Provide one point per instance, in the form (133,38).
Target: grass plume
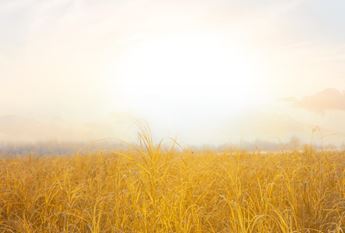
(152,189)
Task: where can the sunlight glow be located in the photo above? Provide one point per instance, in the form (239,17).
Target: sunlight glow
(199,72)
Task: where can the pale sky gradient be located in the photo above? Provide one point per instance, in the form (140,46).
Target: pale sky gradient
(204,72)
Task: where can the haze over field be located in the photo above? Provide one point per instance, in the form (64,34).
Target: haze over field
(179,116)
(205,72)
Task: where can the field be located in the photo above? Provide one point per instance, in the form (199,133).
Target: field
(156,190)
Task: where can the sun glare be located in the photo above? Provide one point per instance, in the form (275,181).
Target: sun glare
(184,73)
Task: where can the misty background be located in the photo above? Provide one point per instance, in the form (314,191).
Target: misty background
(59,83)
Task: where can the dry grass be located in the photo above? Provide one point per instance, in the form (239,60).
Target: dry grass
(152,190)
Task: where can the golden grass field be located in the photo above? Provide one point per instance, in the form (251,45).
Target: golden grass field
(155,190)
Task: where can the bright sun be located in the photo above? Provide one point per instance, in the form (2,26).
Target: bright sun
(198,72)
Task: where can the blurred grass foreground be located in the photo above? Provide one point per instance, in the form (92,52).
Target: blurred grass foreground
(152,189)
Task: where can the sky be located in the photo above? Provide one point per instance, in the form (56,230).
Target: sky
(202,72)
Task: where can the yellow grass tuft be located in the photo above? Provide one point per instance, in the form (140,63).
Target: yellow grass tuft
(157,190)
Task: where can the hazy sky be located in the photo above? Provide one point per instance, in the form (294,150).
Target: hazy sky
(205,72)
